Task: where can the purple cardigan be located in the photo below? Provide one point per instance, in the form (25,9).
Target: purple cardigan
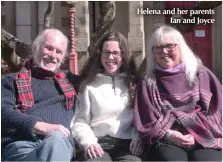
(170,99)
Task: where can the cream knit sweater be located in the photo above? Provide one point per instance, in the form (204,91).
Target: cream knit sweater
(103,109)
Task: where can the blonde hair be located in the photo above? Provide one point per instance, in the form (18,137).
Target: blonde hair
(188,58)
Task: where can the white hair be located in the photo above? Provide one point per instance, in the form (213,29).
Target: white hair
(38,42)
(188,58)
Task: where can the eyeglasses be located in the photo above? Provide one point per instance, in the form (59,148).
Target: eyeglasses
(115,54)
(168,47)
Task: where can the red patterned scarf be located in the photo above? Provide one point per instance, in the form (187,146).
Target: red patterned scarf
(23,83)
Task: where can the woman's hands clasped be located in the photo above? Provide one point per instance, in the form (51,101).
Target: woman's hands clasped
(185,141)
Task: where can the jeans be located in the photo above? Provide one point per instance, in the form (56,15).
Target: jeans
(54,147)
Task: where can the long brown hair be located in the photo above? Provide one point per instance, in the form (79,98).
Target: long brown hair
(94,66)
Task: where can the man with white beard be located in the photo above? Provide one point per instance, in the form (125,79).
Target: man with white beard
(38,104)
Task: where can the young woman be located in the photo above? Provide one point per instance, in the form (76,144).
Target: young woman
(179,102)
(103,120)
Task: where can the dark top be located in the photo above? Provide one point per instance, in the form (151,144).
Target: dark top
(48,107)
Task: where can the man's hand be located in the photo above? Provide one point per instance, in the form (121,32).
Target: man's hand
(95,150)
(136,147)
(46,128)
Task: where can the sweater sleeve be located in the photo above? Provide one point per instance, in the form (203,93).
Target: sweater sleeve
(11,118)
(135,134)
(80,124)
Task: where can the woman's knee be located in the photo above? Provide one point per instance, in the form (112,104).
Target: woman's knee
(128,157)
(206,155)
(105,157)
(169,153)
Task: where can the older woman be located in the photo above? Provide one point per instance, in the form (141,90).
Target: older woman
(178,103)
